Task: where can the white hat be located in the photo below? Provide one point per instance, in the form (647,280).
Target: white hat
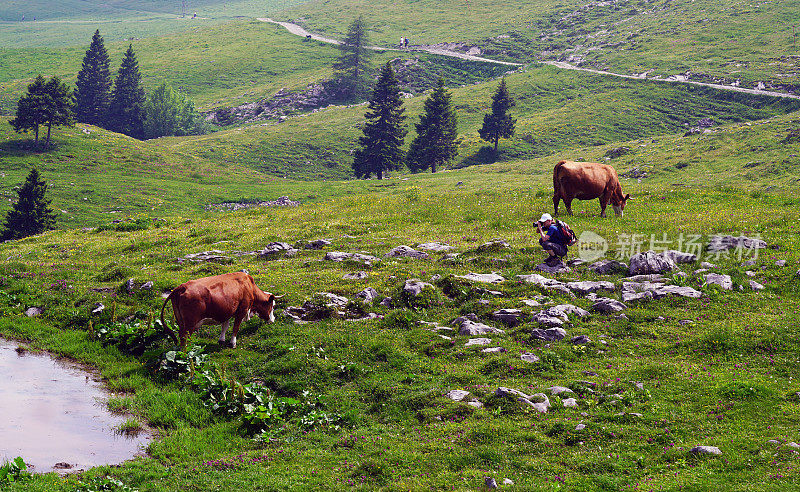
(545,218)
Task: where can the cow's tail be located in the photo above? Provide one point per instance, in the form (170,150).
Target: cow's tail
(556,177)
(164,323)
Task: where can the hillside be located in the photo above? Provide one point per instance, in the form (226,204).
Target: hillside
(710,40)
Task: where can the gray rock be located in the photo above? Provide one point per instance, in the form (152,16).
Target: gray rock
(563,310)
(685,322)
(316,244)
(653,277)
(493,350)
(650,262)
(147,285)
(475,403)
(675,290)
(33,311)
(493,246)
(547,320)
(780,263)
(435,246)
(699,271)
(580,340)
(129,285)
(793,445)
(749,263)
(580,427)
(712,450)
(587,286)
(213,256)
(679,256)
(723,243)
(511,317)
(332,300)
(608,306)
(531,302)
(457,395)
(557,390)
(276,250)
(546,283)
(356,257)
(708,265)
(478,341)
(606,267)
(508,481)
(502,391)
(550,334)
(750,273)
(557,268)
(491,278)
(355,276)
(529,357)
(368,295)
(98,308)
(632,296)
(721,280)
(755,285)
(468,326)
(773,441)
(386,302)
(404,251)
(415,286)
(570,403)
(489,483)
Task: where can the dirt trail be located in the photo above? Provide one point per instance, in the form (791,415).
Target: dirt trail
(295,29)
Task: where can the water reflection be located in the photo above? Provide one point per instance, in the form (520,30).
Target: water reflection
(53,414)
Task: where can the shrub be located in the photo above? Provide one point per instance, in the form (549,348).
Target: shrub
(14,471)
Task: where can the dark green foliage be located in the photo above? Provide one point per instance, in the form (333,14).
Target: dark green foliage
(126,111)
(383,132)
(103,484)
(93,92)
(437,139)
(46,103)
(499,124)
(32,213)
(353,63)
(133,338)
(168,112)
(13,471)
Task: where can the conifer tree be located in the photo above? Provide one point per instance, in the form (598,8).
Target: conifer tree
(354,61)
(59,105)
(93,91)
(125,113)
(32,213)
(383,132)
(499,124)
(168,112)
(437,139)
(30,109)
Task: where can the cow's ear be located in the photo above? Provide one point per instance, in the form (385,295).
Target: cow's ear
(627,197)
(271,298)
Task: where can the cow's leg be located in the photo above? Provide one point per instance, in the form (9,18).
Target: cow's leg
(568,204)
(556,199)
(224,332)
(603,204)
(236,324)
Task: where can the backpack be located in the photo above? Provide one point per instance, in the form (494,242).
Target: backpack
(567,232)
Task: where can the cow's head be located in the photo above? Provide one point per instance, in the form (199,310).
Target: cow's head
(265,308)
(619,206)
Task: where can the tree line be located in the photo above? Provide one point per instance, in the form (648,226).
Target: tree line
(122,107)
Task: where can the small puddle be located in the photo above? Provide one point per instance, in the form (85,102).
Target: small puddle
(53,414)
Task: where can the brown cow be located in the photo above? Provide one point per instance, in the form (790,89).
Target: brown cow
(215,300)
(587,181)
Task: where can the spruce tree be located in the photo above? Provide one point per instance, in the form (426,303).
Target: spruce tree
(499,124)
(93,91)
(383,132)
(32,213)
(125,113)
(437,139)
(353,62)
(59,105)
(31,109)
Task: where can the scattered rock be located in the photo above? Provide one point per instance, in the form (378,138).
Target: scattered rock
(557,390)
(98,308)
(129,285)
(721,280)
(277,250)
(750,273)
(493,350)
(562,310)
(616,152)
(755,285)
(529,357)
(63,465)
(508,481)
(475,403)
(580,340)
(653,277)
(793,445)
(608,306)
(315,244)
(434,246)
(33,311)
(724,243)
(511,317)
(491,278)
(679,256)
(468,325)
(490,483)
(559,267)
(570,403)
(580,427)
(415,286)
(213,256)
(531,302)
(780,263)
(712,450)
(546,283)
(502,392)
(650,262)
(357,257)
(685,322)
(493,246)
(368,295)
(587,286)
(386,302)
(707,265)
(457,395)
(403,251)
(478,341)
(550,334)
(606,267)
(355,276)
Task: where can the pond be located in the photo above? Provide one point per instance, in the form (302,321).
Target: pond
(53,414)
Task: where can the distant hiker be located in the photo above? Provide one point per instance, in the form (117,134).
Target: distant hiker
(402,41)
(556,237)
(194,16)
(405,43)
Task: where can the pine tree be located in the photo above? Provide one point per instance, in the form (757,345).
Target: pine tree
(437,139)
(59,106)
(126,113)
(499,124)
(354,61)
(30,109)
(46,103)
(93,91)
(383,132)
(32,213)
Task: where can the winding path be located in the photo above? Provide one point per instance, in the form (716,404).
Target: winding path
(299,31)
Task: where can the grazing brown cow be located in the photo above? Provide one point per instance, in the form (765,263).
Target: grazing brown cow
(215,300)
(587,181)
